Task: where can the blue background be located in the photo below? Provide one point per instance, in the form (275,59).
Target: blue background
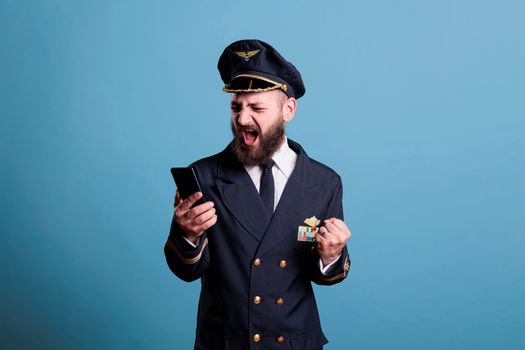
(419,105)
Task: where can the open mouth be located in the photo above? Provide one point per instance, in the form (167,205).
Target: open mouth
(249,136)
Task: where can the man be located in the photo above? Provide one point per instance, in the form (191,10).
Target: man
(256,243)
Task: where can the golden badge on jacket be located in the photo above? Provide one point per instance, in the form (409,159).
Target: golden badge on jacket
(307,233)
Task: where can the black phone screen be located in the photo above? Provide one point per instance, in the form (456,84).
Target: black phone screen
(187,183)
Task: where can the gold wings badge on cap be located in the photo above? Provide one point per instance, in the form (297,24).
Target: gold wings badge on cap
(246,54)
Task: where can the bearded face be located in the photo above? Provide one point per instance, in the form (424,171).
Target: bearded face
(249,153)
(257,124)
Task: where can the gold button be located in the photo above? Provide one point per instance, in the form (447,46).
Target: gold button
(257,300)
(257,262)
(257,337)
(279,301)
(280,339)
(282,264)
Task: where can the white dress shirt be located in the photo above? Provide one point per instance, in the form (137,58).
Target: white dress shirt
(285,159)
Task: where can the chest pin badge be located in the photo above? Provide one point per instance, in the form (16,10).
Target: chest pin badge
(307,233)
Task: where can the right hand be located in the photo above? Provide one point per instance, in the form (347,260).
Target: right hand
(194,221)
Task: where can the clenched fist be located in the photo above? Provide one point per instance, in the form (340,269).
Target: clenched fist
(331,239)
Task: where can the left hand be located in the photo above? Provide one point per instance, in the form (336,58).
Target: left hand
(331,239)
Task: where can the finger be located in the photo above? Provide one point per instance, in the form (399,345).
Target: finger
(206,225)
(320,243)
(340,224)
(336,236)
(177,200)
(319,237)
(188,202)
(205,216)
(191,214)
(331,228)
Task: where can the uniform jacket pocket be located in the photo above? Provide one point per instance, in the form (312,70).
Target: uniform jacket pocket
(309,341)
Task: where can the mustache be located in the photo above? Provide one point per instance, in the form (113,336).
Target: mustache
(251,127)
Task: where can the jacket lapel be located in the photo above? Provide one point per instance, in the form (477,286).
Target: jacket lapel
(300,191)
(240,195)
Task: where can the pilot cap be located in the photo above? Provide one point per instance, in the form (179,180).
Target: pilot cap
(255,66)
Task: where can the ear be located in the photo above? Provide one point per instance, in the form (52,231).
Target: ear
(289,107)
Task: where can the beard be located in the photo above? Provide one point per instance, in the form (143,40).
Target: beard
(268,144)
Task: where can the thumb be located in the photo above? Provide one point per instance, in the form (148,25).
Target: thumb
(178,200)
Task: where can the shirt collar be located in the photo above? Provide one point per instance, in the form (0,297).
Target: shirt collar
(284,159)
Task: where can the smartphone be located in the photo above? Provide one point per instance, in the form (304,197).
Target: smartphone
(187,183)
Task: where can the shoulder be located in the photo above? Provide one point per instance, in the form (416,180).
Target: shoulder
(208,166)
(323,169)
(325,174)
(322,172)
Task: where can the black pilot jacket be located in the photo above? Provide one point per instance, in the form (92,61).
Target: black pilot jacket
(256,276)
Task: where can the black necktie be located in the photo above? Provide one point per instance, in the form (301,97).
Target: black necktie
(267,188)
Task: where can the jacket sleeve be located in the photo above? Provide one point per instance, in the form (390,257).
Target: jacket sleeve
(339,270)
(185,261)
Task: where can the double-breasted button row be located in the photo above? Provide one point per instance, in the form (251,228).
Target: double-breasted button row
(282,263)
(258,337)
(258,299)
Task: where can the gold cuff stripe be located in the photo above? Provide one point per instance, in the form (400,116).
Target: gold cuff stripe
(183,259)
(329,279)
(341,275)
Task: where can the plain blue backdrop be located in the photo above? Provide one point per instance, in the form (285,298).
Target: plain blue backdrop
(418,105)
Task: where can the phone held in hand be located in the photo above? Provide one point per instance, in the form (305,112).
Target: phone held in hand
(187,183)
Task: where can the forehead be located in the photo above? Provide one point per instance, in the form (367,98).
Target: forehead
(266,97)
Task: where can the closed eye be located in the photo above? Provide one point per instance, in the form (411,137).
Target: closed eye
(235,107)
